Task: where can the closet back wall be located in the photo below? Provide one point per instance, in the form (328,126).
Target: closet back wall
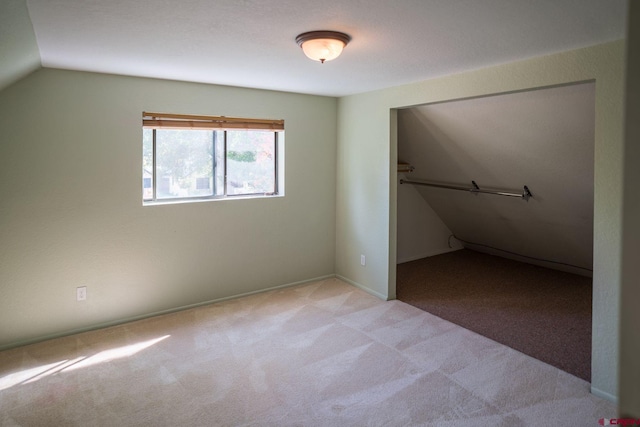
(543,139)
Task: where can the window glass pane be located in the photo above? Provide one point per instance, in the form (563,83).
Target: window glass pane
(184,164)
(147,164)
(250,162)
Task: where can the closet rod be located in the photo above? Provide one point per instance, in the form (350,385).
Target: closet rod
(526,194)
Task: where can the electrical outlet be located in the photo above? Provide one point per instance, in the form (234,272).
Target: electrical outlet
(81,293)
(363,260)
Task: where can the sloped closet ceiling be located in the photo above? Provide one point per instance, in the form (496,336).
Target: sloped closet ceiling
(543,139)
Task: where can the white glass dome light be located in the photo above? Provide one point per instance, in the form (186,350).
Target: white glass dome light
(322,45)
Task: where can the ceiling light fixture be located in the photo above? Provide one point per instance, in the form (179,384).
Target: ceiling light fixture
(322,45)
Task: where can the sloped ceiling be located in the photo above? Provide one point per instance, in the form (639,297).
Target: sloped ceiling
(19,52)
(251,43)
(543,139)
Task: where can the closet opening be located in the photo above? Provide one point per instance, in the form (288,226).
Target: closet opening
(515,267)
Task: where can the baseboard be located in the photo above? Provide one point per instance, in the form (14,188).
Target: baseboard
(156,313)
(426,255)
(603,394)
(522,258)
(364,288)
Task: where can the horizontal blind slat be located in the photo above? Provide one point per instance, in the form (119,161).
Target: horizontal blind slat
(185,121)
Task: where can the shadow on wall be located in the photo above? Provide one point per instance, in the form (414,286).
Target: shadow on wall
(543,139)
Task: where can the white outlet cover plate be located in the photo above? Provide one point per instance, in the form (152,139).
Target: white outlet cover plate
(81,293)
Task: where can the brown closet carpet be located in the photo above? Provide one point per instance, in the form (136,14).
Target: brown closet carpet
(540,312)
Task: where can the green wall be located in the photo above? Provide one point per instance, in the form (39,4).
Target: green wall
(19,54)
(71,209)
(367,186)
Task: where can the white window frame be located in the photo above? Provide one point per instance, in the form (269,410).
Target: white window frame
(186,122)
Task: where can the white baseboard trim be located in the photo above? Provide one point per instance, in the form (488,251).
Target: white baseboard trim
(155,313)
(603,394)
(364,288)
(426,255)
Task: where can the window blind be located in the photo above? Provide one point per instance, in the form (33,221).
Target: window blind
(187,121)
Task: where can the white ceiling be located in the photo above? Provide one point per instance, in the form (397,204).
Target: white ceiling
(251,43)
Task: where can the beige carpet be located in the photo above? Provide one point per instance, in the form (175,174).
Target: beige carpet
(321,354)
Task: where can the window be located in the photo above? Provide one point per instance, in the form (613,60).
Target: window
(202,157)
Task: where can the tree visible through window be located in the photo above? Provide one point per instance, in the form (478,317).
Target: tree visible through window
(187,157)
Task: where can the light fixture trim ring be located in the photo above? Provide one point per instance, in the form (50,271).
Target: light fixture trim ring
(314,35)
